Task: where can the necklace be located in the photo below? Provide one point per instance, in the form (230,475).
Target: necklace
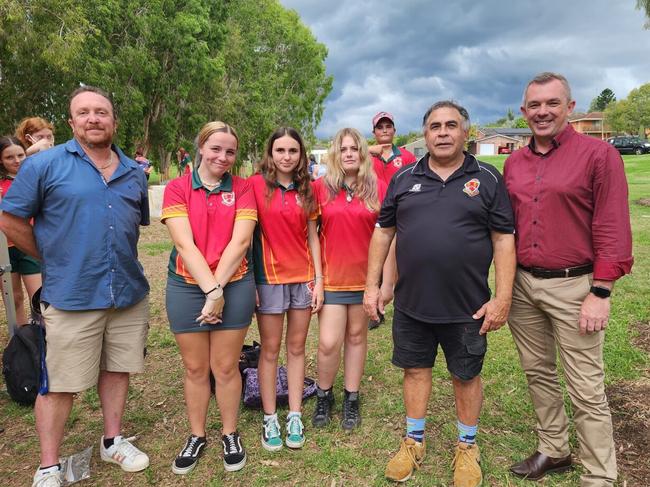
(108,164)
(349,192)
(210,185)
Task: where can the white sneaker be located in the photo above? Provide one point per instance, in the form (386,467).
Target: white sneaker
(123,453)
(50,477)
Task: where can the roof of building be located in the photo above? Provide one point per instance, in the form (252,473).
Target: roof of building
(504,131)
(586,116)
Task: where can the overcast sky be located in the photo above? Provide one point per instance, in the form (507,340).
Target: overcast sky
(401,56)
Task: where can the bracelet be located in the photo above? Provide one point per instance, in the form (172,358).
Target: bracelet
(212,290)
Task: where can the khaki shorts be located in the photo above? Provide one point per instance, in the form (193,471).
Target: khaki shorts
(80,343)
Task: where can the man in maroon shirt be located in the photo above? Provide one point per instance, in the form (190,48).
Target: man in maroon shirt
(569,196)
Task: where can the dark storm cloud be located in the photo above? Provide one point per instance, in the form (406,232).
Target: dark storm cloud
(402,56)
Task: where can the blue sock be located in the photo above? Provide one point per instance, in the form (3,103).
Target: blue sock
(467,434)
(415,429)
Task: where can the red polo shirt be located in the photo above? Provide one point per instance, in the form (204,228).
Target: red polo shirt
(346,229)
(386,168)
(571,206)
(280,248)
(5,183)
(212,215)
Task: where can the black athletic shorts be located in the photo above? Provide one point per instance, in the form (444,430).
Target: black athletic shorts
(415,345)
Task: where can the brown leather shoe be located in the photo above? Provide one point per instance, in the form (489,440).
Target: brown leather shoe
(536,466)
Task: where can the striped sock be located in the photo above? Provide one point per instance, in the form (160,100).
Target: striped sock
(467,434)
(415,428)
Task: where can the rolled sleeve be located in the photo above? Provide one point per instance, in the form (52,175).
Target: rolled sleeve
(611,230)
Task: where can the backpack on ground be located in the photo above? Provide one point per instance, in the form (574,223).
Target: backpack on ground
(21,363)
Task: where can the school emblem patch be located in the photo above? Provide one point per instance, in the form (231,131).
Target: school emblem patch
(397,162)
(471,187)
(228,199)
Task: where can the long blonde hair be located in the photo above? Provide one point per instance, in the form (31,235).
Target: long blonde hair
(366,184)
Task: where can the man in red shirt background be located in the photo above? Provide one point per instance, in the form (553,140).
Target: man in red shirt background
(570,200)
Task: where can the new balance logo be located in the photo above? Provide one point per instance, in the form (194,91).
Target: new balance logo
(416,188)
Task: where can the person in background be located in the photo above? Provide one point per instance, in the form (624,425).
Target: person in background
(143,162)
(184,161)
(24,267)
(348,200)
(288,275)
(210,215)
(387,158)
(36,134)
(312,163)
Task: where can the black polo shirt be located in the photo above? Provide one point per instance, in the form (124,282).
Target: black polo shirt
(444,245)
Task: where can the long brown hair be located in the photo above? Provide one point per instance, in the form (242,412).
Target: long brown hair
(366,184)
(300,174)
(6,142)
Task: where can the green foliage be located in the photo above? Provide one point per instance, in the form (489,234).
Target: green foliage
(632,114)
(170,65)
(645,6)
(599,103)
(509,121)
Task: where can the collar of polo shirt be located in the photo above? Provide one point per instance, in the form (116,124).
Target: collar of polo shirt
(225,186)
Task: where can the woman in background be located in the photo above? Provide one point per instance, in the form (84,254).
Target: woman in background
(36,134)
(12,154)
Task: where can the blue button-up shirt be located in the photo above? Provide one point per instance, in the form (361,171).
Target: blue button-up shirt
(86,229)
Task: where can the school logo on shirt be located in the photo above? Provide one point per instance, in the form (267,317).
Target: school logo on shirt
(471,187)
(228,199)
(397,162)
(298,200)
(416,188)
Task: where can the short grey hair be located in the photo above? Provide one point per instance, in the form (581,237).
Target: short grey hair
(547,77)
(447,104)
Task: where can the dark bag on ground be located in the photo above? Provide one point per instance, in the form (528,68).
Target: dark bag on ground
(21,363)
(251,391)
(249,358)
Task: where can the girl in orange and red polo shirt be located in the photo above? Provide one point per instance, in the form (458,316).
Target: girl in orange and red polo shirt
(348,197)
(210,215)
(288,276)
(12,155)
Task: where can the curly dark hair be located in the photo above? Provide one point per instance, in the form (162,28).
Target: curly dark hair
(266,167)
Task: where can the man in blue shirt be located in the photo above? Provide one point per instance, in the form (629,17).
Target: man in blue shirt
(87,200)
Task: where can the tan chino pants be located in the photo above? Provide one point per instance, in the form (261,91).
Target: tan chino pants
(544,320)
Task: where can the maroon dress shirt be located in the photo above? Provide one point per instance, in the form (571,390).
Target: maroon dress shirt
(571,206)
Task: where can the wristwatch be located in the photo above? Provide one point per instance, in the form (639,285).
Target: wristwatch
(600,292)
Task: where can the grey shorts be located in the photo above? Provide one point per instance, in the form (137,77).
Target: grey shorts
(343,297)
(185,301)
(278,298)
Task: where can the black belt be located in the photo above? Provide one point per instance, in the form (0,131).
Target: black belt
(553,273)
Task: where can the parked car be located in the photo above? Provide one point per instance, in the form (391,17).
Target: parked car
(504,149)
(630,145)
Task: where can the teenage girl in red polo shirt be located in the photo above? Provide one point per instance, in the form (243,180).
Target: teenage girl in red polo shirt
(288,276)
(12,155)
(210,215)
(349,197)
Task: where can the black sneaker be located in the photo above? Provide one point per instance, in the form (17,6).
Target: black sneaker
(323,412)
(234,455)
(351,414)
(189,455)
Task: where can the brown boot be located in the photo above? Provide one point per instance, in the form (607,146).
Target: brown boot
(466,465)
(409,457)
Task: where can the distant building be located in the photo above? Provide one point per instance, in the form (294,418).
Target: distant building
(592,123)
(417,147)
(489,141)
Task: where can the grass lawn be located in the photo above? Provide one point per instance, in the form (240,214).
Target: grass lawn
(155,411)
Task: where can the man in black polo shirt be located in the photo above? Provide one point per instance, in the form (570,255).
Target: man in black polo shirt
(452,215)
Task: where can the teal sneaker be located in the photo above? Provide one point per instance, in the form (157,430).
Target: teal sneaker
(295,432)
(271,440)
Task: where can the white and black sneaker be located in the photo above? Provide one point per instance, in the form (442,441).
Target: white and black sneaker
(189,455)
(234,455)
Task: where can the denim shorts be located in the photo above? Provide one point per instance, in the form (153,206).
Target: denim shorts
(278,298)
(415,345)
(184,303)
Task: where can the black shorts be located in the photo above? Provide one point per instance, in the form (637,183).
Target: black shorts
(415,345)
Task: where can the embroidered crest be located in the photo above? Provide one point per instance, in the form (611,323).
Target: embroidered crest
(471,187)
(228,199)
(416,188)
(397,162)
(298,200)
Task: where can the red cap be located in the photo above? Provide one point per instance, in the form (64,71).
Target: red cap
(381,115)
